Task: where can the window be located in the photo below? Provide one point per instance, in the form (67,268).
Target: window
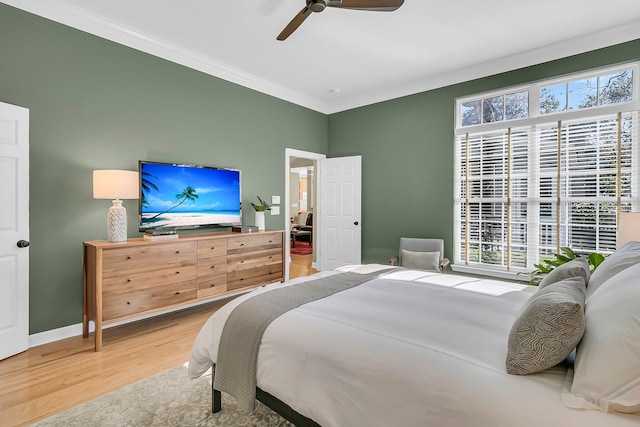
(545,166)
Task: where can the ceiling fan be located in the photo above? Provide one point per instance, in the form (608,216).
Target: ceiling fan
(320,5)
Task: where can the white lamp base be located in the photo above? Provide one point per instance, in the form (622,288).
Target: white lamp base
(117,222)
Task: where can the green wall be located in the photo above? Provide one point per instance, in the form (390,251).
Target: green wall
(407,148)
(95,104)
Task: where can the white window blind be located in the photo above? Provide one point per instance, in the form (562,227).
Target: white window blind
(526,188)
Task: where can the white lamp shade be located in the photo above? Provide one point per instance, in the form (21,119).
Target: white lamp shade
(115,184)
(628,228)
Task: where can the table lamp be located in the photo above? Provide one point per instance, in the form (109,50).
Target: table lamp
(116,185)
(628,228)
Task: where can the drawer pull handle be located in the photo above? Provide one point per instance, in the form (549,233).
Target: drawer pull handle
(213,248)
(241,262)
(177,272)
(177,293)
(128,256)
(212,286)
(128,303)
(177,252)
(212,267)
(128,280)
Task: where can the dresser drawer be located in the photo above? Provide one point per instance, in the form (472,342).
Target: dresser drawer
(119,281)
(212,267)
(252,260)
(212,286)
(212,248)
(138,301)
(255,276)
(256,242)
(145,255)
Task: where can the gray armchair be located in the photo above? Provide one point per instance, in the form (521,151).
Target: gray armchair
(423,254)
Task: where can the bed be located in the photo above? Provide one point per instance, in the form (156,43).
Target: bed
(409,347)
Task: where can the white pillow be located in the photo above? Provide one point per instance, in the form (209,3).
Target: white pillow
(301,218)
(421,260)
(607,365)
(621,259)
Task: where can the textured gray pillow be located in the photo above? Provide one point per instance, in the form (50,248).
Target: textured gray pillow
(578,267)
(421,260)
(547,328)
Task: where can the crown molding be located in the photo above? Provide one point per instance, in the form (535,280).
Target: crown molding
(582,44)
(72,16)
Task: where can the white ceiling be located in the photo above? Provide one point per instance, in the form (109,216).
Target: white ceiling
(341,59)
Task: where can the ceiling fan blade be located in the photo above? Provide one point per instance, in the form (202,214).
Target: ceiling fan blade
(376,5)
(294,24)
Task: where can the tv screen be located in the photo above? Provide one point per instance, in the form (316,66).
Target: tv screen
(176,196)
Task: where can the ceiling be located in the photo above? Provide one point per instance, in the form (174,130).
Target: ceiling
(341,59)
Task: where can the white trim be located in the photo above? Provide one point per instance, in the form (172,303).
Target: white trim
(288,154)
(64,13)
(564,49)
(533,89)
(483,271)
(75,330)
(58,334)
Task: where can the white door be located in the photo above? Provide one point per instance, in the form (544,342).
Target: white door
(340,210)
(14,230)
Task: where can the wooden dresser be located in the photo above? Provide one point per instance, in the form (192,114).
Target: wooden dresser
(141,277)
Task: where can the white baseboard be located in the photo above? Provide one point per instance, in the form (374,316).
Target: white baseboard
(57,334)
(52,335)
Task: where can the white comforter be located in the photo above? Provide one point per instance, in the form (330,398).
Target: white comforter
(410,349)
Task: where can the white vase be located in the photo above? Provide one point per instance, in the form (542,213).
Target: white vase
(260,220)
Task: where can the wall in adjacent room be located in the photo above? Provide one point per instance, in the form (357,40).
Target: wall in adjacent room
(407,148)
(95,104)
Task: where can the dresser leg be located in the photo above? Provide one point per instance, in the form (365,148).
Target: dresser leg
(98,345)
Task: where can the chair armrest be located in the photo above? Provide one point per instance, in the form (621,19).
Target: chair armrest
(393,260)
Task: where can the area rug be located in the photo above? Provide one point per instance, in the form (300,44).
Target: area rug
(169,398)
(302,248)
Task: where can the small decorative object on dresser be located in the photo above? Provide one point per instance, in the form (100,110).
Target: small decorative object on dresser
(141,277)
(260,210)
(116,185)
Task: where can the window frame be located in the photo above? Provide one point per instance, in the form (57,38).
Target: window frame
(533,122)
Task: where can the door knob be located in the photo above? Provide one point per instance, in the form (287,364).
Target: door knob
(22,243)
(355,223)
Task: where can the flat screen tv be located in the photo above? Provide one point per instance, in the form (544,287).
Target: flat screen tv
(179,196)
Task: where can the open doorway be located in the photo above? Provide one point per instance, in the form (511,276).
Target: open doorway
(301,207)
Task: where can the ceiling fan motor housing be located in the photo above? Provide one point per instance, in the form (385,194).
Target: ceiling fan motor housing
(317,5)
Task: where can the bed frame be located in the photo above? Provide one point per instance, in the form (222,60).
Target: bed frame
(271,402)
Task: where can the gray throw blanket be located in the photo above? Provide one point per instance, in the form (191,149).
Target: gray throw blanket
(235,368)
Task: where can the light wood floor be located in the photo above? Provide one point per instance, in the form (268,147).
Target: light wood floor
(50,378)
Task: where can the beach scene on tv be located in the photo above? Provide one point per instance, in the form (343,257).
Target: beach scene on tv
(184,196)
